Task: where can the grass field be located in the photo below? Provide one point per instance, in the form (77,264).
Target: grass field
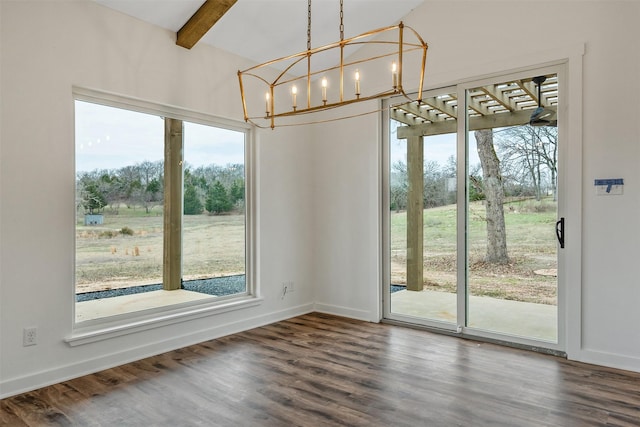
(108,259)
(214,246)
(531,244)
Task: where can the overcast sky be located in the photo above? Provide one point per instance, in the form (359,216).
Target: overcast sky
(437,148)
(111,138)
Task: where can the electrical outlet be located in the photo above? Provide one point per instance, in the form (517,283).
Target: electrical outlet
(287,287)
(29,336)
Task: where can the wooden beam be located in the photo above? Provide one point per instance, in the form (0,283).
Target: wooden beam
(419,115)
(491,121)
(530,89)
(419,112)
(498,96)
(442,106)
(400,115)
(172,230)
(415,212)
(478,106)
(202,21)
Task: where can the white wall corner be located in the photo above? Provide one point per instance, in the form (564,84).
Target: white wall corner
(367,316)
(616,361)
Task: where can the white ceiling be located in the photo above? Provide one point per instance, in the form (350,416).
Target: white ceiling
(262,30)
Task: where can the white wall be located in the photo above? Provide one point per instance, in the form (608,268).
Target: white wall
(46,48)
(318,186)
(347,198)
(470,39)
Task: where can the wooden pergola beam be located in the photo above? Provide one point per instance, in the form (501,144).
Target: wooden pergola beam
(440,105)
(498,96)
(202,21)
(491,121)
(402,117)
(415,213)
(530,89)
(172,218)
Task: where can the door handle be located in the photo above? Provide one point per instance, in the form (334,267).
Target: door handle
(560,232)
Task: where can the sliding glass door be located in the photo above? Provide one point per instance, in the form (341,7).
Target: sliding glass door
(423,210)
(473,227)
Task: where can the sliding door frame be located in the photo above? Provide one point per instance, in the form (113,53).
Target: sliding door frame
(568,259)
(463,200)
(446,327)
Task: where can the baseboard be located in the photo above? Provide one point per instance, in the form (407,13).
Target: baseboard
(345,312)
(59,374)
(610,360)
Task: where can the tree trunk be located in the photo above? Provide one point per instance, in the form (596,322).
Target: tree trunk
(494,193)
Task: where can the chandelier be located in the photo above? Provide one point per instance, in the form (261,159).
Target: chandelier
(369,66)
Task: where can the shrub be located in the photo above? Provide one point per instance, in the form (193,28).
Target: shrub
(108,234)
(192,204)
(218,199)
(126,231)
(538,207)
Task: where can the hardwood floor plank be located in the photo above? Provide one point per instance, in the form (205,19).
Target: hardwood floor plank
(322,370)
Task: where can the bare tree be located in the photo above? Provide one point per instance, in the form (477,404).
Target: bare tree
(434,187)
(151,179)
(494,202)
(548,154)
(530,156)
(398,186)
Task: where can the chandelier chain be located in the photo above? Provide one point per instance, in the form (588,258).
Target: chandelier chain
(309,26)
(341,22)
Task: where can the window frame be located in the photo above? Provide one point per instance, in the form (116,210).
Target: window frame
(110,326)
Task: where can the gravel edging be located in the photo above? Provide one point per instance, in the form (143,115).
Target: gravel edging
(218,286)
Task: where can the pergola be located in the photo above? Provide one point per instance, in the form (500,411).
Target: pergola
(492,106)
(489,107)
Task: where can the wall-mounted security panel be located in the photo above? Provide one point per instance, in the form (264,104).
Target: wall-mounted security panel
(609,187)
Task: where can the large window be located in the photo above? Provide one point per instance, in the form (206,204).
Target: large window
(161,210)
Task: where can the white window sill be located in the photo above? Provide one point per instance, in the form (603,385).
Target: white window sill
(114,326)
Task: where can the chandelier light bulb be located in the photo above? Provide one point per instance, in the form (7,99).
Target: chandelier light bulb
(267,103)
(324,90)
(357,83)
(394,74)
(294,92)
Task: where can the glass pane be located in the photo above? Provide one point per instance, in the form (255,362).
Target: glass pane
(119,198)
(424,178)
(213,255)
(512,285)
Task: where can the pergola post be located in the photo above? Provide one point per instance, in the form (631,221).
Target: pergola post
(172,257)
(415,208)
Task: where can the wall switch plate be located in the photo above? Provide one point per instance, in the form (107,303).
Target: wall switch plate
(609,187)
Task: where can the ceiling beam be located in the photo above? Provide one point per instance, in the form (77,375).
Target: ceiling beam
(202,21)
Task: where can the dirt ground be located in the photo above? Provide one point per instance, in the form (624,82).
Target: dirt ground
(526,279)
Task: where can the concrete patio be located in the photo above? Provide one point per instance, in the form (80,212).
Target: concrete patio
(530,320)
(105,307)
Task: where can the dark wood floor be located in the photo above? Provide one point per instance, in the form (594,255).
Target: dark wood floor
(318,370)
